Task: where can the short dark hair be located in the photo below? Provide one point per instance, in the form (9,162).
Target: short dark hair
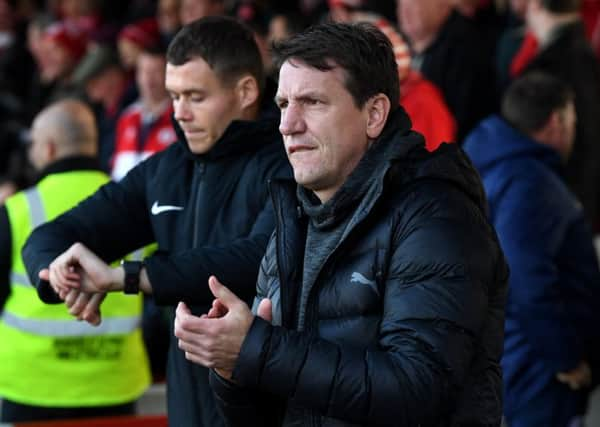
(226,45)
(561,6)
(362,51)
(530,100)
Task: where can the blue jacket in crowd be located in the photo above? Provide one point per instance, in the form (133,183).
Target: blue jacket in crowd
(552,312)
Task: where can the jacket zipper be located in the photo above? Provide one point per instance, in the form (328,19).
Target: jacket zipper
(199,171)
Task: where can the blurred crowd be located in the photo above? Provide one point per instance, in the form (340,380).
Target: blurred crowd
(455,58)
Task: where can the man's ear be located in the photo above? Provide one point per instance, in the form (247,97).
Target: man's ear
(247,91)
(378,110)
(51,150)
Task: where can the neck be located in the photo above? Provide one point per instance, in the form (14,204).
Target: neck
(155,107)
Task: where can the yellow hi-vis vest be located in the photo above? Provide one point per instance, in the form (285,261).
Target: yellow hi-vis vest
(47,357)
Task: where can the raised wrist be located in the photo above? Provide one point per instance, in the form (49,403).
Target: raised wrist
(118,279)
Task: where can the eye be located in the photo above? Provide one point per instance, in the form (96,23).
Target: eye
(282,104)
(174,96)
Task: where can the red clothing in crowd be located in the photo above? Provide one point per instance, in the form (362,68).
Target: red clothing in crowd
(137,139)
(421,99)
(427,110)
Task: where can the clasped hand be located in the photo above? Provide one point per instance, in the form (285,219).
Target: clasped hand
(214,340)
(81,279)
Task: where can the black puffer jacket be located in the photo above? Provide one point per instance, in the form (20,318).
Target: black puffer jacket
(403,325)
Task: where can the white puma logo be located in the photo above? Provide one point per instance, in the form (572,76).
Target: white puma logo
(359,278)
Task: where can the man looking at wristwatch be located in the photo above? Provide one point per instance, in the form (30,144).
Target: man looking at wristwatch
(203,200)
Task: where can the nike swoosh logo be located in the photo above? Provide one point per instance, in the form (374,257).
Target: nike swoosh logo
(165,208)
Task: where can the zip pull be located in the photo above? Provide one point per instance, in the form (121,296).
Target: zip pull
(299,212)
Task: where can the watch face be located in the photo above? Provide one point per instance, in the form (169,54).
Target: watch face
(132,276)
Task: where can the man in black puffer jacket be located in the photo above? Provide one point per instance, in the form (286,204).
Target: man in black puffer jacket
(203,200)
(381,295)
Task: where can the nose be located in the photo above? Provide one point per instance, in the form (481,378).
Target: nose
(181,110)
(292,120)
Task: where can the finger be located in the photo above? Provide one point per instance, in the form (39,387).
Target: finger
(182,309)
(44,274)
(220,291)
(91,313)
(79,305)
(217,309)
(70,297)
(61,279)
(265,310)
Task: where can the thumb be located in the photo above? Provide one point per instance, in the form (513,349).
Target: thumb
(220,291)
(44,274)
(182,309)
(265,310)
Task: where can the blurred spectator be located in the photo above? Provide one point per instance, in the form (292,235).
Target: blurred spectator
(448,50)
(145,127)
(553,309)
(107,86)
(7,21)
(134,38)
(51,365)
(285,25)
(590,12)
(510,42)
(192,10)
(257,19)
(62,46)
(565,53)
(167,15)
(423,102)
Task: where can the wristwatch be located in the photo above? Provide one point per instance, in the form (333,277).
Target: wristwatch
(132,276)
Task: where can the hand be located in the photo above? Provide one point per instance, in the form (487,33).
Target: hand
(79,268)
(577,378)
(85,306)
(214,340)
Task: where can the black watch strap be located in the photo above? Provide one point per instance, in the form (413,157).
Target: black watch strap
(132,276)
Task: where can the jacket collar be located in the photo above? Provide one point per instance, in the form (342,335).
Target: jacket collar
(70,164)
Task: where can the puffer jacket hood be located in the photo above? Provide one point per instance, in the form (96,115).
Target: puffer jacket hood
(495,141)
(397,154)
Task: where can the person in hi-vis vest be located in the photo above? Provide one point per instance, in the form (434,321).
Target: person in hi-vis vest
(53,366)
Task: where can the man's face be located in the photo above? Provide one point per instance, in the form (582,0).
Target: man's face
(324,132)
(57,62)
(191,10)
(421,19)
(38,152)
(168,15)
(204,106)
(150,77)
(568,119)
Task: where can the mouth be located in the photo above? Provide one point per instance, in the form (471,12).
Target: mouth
(299,148)
(192,132)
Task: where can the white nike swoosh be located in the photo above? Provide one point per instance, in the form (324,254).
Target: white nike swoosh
(165,208)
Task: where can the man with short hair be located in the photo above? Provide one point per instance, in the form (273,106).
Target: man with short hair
(380,298)
(552,342)
(203,200)
(145,127)
(51,365)
(565,53)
